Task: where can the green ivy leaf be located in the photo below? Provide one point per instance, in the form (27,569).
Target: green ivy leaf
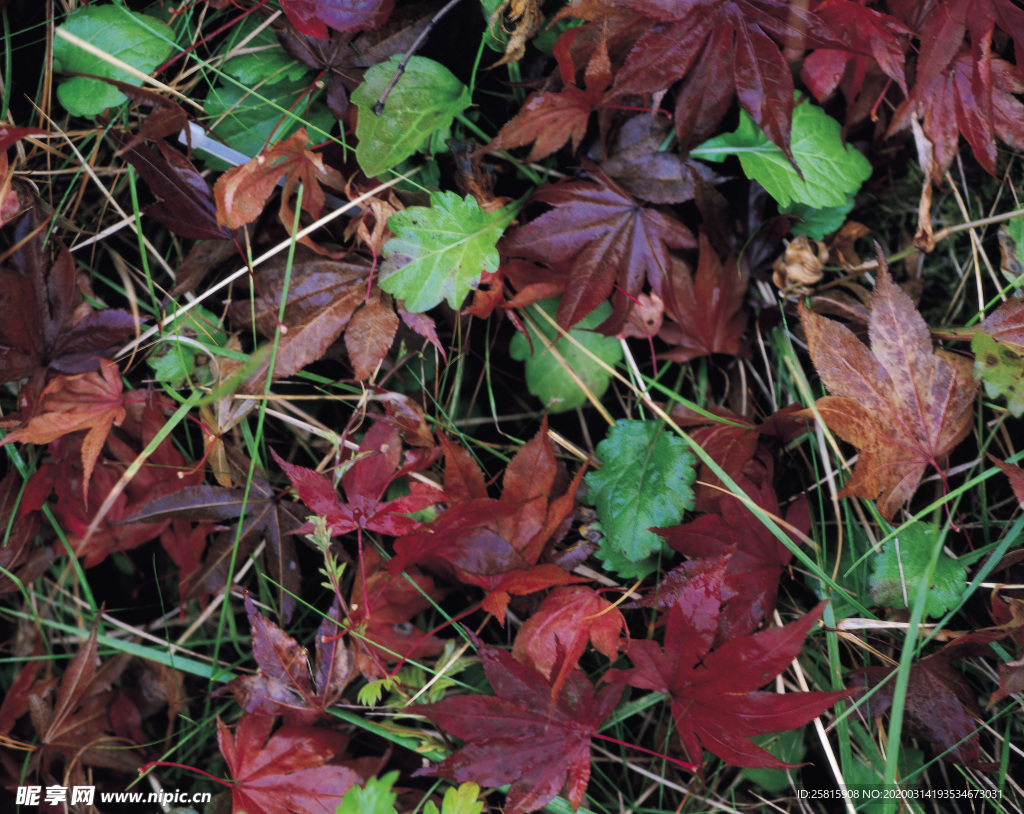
(644,482)
(1001,370)
(439,251)
(832,171)
(265,61)
(137,39)
(546,378)
(902,562)
(247,122)
(426,99)
(375,797)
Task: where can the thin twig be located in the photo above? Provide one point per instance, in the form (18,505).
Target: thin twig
(408,54)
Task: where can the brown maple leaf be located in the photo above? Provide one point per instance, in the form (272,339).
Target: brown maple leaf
(903,404)
(242,192)
(89,401)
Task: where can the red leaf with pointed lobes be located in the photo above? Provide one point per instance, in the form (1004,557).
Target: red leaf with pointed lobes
(865,31)
(381,616)
(287,772)
(552,640)
(497,544)
(706,311)
(550,119)
(724,46)
(518,737)
(377,465)
(608,237)
(714,693)
(973,97)
(756,560)
(903,404)
(283,685)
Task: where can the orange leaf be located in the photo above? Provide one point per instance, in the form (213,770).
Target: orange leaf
(89,401)
(903,404)
(242,192)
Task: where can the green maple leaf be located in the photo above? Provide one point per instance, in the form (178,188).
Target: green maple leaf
(439,251)
(644,482)
(899,567)
(425,101)
(831,171)
(136,39)
(375,797)
(546,378)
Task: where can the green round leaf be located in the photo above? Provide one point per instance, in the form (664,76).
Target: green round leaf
(546,378)
(265,61)
(426,99)
(898,569)
(137,39)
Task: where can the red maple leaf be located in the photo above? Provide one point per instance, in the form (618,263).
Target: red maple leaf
(45,324)
(714,694)
(721,47)
(552,640)
(705,309)
(756,559)
(283,684)
(376,465)
(497,544)
(380,611)
(865,31)
(284,772)
(973,96)
(941,706)
(518,737)
(607,238)
(550,119)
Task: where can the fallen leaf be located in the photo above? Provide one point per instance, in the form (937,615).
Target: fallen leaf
(716,704)
(284,772)
(706,310)
(607,238)
(313,17)
(903,404)
(553,638)
(517,737)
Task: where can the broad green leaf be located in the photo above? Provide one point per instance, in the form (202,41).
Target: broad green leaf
(644,482)
(1001,370)
(788,746)
(546,378)
(897,570)
(425,100)
(439,251)
(185,337)
(264,61)
(248,123)
(137,39)
(815,222)
(832,171)
(375,797)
